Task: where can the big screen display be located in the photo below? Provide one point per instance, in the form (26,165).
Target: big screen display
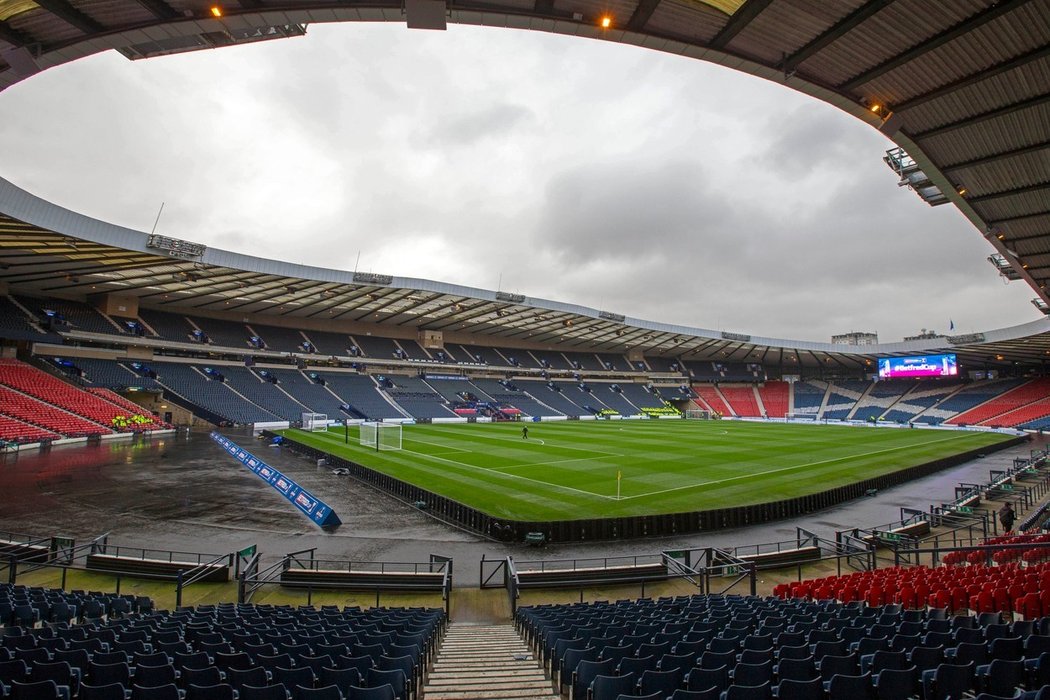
(921,366)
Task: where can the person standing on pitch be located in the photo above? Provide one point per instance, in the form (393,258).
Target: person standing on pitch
(1006,517)
(524,432)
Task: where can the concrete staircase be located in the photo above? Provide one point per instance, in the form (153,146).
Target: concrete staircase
(486,662)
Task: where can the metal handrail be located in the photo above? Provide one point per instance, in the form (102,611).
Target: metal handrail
(184,579)
(588,563)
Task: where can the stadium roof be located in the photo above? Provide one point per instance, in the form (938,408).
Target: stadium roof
(963,87)
(46,250)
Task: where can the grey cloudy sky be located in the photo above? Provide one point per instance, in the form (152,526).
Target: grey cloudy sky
(582,171)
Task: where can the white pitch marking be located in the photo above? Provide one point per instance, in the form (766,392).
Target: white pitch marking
(560,447)
(513,476)
(785,469)
(540,464)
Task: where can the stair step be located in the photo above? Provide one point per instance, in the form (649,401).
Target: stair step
(483,676)
(477,662)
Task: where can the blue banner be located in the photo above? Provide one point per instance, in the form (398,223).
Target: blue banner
(312,507)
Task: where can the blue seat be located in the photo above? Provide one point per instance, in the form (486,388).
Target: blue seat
(792,689)
(701,679)
(748,692)
(897,684)
(341,678)
(665,682)
(155,676)
(637,666)
(948,681)
(113,691)
(851,687)
(752,674)
(266,692)
(831,666)
(162,692)
(37,690)
(1001,677)
(395,679)
(327,693)
(217,691)
(383,692)
(709,694)
(610,687)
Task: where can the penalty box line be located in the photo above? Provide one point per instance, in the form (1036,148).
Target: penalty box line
(512,476)
(786,469)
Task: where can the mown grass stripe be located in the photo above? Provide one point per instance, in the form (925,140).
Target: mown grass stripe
(667,466)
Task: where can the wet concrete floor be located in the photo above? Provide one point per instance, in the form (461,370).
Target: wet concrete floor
(185,493)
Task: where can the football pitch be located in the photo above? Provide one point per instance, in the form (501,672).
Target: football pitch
(568,470)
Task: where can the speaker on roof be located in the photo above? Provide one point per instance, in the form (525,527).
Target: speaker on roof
(22,62)
(891,124)
(426,14)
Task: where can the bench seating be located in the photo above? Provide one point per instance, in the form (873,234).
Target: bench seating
(24,552)
(220,573)
(784,557)
(549,578)
(304,578)
(919,529)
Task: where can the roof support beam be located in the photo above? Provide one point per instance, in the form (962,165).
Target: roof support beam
(738,22)
(159,9)
(984,116)
(640,17)
(993,157)
(13,36)
(1022,217)
(830,36)
(962,28)
(71,15)
(1021,239)
(974,78)
(1009,193)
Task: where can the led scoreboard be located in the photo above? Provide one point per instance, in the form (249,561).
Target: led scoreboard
(921,366)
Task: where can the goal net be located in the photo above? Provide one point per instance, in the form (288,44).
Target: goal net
(315,421)
(381,436)
(698,414)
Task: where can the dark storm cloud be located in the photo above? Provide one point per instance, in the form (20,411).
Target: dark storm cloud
(805,140)
(628,210)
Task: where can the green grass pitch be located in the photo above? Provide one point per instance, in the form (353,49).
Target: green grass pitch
(568,470)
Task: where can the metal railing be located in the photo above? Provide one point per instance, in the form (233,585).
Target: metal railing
(102,546)
(253,578)
(184,579)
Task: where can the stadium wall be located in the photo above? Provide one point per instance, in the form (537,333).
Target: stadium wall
(630,527)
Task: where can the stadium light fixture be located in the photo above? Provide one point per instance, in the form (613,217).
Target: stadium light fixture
(216,11)
(606,21)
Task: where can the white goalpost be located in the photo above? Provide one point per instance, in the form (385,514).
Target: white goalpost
(380,436)
(697,414)
(315,422)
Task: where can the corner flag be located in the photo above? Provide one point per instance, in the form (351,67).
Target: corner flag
(951,325)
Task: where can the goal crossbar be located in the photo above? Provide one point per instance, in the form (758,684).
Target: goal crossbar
(378,436)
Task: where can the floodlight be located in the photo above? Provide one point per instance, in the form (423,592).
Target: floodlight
(606,22)
(216,11)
